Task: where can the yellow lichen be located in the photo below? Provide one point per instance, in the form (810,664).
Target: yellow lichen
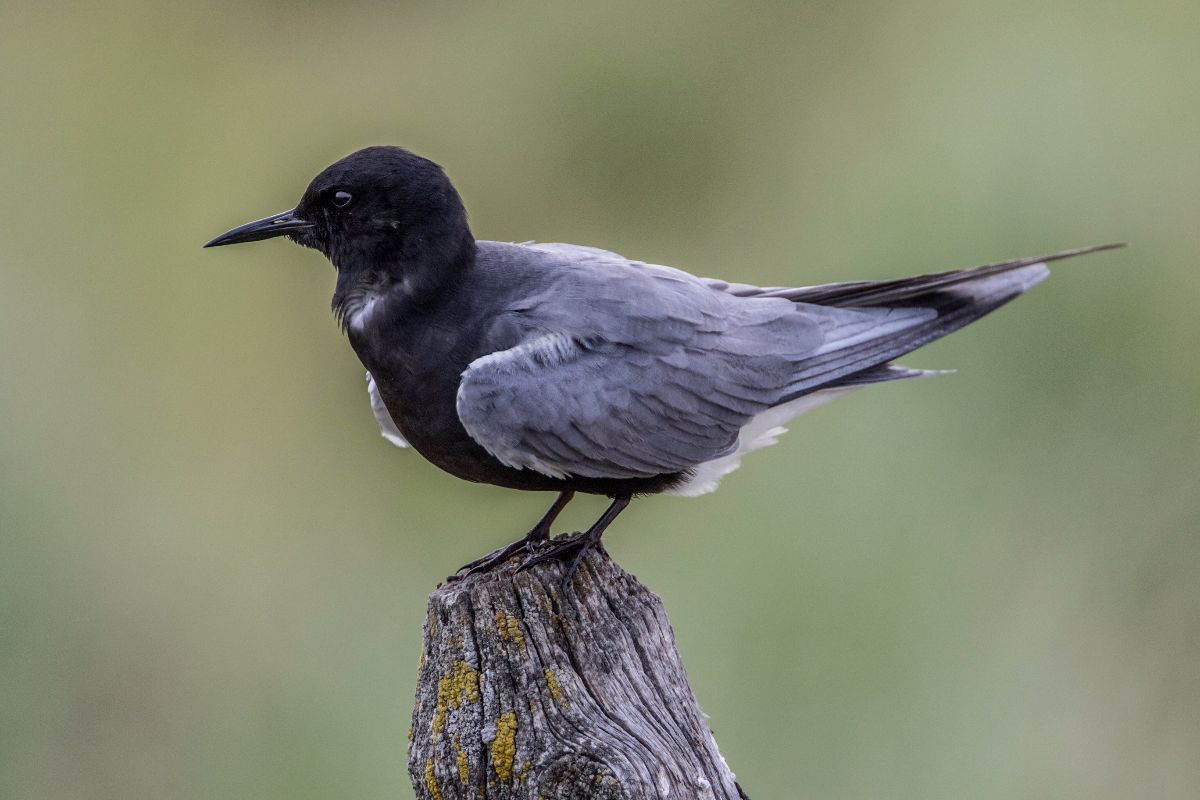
(410,734)
(509,628)
(431,783)
(454,690)
(556,690)
(464,772)
(504,749)
(525,770)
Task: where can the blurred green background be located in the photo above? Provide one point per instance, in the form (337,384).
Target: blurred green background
(213,570)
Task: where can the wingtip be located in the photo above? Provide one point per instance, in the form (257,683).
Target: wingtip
(1078,251)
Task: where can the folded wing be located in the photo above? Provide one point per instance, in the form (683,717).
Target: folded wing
(630,370)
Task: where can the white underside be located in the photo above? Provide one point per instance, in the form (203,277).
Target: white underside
(762,431)
(387,427)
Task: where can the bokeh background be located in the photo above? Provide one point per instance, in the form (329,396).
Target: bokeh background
(213,569)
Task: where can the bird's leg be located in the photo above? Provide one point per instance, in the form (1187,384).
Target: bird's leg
(578,546)
(539,533)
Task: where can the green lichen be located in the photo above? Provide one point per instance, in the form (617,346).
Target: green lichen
(455,689)
(431,782)
(509,628)
(464,772)
(504,749)
(556,690)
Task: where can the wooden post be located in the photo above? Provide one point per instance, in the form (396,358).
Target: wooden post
(527,693)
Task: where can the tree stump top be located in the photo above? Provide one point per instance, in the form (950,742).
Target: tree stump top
(529,692)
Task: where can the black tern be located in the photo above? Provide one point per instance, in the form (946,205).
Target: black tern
(557,367)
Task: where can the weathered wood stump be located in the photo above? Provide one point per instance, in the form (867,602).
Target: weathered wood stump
(527,692)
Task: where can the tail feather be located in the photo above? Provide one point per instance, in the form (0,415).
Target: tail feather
(954,307)
(884,373)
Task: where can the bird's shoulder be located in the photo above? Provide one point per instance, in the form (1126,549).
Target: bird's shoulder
(592,267)
(575,285)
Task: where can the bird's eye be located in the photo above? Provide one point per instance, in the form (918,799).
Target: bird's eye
(341,199)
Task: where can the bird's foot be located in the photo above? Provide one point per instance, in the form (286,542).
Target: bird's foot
(539,533)
(570,549)
(494,559)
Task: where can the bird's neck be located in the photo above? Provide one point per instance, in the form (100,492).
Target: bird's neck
(416,273)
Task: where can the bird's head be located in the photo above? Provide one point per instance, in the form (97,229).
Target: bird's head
(381,209)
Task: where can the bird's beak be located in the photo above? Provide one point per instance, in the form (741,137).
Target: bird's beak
(265,228)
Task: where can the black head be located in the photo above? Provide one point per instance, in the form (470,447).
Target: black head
(380,210)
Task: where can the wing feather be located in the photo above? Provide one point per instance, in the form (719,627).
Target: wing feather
(631,370)
(591,411)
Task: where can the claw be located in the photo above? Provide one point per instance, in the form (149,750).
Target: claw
(556,550)
(578,544)
(575,547)
(492,560)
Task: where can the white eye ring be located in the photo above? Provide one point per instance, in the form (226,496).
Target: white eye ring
(341,199)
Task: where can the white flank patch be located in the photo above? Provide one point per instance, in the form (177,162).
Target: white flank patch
(387,426)
(360,316)
(763,430)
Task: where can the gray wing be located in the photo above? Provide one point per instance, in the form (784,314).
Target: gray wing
(628,369)
(633,370)
(565,405)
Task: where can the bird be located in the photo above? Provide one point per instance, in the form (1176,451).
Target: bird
(571,369)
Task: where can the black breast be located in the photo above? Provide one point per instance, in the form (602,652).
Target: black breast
(417,355)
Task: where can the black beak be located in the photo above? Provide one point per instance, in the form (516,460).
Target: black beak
(266,228)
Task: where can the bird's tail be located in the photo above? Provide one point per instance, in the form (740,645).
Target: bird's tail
(949,300)
(864,294)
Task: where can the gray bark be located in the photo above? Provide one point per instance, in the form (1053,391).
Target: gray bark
(527,692)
